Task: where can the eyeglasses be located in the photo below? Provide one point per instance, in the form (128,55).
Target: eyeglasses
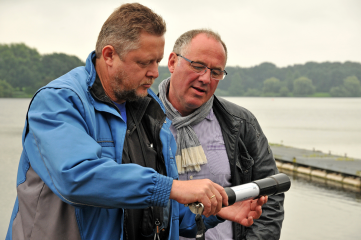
(216,74)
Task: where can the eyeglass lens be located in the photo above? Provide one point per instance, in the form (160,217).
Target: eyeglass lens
(215,73)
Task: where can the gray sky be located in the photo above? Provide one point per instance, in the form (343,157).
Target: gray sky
(284,32)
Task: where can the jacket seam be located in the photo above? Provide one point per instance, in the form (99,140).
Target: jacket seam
(78,222)
(37,205)
(24,179)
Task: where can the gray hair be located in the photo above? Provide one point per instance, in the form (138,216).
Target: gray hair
(182,43)
(123,28)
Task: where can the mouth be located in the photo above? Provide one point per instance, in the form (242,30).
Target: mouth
(200,90)
(148,84)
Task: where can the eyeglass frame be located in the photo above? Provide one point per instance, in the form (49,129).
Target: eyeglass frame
(190,61)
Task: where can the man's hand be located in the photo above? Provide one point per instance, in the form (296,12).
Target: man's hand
(244,212)
(210,194)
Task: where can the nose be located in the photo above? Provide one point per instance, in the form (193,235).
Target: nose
(153,71)
(206,77)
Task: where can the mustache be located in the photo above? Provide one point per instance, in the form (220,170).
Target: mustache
(150,80)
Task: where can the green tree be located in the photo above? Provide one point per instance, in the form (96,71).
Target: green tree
(352,86)
(56,64)
(24,68)
(163,74)
(290,75)
(303,87)
(19,65)
(339,91)
(271,85)
(252,92)
(6,90)
(284,92)
(236,88)
(220,92)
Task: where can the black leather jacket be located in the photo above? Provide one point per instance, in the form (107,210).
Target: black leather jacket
(250,158)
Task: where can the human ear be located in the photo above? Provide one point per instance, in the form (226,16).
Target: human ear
(172,61)
(108,54)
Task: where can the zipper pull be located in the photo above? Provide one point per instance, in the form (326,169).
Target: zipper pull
(156,235)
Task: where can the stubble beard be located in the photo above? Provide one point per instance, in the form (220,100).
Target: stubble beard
(118,83)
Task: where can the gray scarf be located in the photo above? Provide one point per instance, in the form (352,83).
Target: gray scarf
(190,154)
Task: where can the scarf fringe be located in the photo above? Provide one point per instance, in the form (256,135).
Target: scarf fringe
(190,159)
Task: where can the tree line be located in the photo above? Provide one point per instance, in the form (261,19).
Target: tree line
(23,70)
(327,79)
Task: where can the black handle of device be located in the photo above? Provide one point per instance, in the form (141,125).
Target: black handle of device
(272,185)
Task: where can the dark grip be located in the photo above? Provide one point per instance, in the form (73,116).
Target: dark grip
(273,185)
(231,195)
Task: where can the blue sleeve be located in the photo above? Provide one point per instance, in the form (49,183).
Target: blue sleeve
(187,224)
(69,161)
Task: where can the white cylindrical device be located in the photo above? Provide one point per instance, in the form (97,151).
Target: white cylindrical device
(272,185)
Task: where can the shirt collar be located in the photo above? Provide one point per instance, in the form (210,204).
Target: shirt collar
(210,115)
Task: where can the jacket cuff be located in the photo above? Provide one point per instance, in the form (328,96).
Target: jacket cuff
(212,221)
(160,196)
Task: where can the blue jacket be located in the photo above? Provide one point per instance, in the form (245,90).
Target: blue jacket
(71,183)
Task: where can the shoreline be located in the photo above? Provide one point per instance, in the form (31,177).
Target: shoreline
(316,164)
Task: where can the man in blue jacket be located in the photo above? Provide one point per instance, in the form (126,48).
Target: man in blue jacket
(98,155)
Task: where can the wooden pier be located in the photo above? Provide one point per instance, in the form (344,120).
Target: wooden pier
(341,169)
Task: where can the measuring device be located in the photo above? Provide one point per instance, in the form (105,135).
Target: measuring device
(269,186)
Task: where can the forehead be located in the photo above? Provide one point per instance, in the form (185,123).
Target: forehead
(206,50)
(150,46)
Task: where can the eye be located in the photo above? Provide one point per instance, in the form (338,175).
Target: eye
(144,64)
(198,67)
(216,73)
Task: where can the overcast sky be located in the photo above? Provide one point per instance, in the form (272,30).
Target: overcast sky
(284,32)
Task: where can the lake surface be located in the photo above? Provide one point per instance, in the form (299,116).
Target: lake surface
(313,209)
(326,124)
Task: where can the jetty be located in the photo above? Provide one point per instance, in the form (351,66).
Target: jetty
(342,169)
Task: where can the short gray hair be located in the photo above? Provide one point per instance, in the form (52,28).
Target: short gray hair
(123,28)
(182,43)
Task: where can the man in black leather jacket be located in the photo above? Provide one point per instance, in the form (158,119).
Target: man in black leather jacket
(197,65)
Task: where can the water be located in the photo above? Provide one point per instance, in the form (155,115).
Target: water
(313,210)
(12,119)
(326,124)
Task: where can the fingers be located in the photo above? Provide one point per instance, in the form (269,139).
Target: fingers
(214,203)
(211,208)
(223,194)
(215,200)
(207,203)
(256,207)
(220,197)
(202,191)
(263,200)
(256,213)
(247,221)
(258,202)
